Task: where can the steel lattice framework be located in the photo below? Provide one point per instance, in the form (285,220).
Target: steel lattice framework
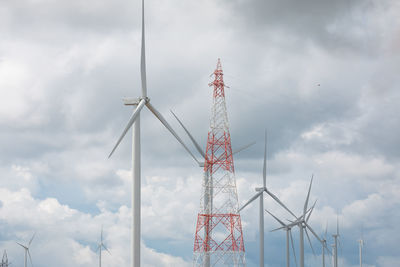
(4,260)
(219,236)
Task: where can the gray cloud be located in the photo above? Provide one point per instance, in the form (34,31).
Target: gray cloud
(65,66)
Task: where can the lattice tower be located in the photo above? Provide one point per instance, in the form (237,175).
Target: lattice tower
(219,236)
(4,260)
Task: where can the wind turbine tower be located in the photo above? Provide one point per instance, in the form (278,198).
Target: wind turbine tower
(134,122)
(219,236)
(324,246)
(27,253)
(100,246)
(361,245)
(335,244)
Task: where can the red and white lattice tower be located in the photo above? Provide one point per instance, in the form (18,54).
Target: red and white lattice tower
(219,237)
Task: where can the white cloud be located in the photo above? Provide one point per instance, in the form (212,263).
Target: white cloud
(64,234)
(64,65)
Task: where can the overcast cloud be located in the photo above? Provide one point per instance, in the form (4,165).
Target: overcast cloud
(321,76)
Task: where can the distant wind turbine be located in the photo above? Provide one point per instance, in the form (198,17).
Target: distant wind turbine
(26,250)
(288,229)
(303,225)
(361,245)
(335,245)
(260,195)
(299,222)
(100,246)
(324,245)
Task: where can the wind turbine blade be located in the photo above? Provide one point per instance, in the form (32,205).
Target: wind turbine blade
(276,229)
(279,202)
(326,231)
(21,245)
(308,196)
(251,200)
(170,129)
(337,225)
(312,208)
(313,232)
(287,226)
(329,251)
(294,251)
(102,234)
(190,136)
(30,258)
(276,218)
(130,122)
(31,239)
(309,241)
(243,148)
(143,58)
(106,249)
(265,162)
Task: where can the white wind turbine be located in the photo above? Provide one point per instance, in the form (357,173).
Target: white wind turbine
(335,245)
(324,245)
(288,229)
(26,250)
(134,122)
(360,247)
(302,223)
(260,195)
(100,246)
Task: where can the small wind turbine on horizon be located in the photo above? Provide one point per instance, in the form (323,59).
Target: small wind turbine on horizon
(100,246)
(26,250)
(335,244)
(361,246)
(260,195)
(324,245)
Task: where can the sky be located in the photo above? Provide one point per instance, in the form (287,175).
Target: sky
(321,76)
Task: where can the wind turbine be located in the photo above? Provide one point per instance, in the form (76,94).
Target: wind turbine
(288,229)
(302,223)
(100,246)
(361,245)
(134,122)
(335,236)
(260,195)
(324,245)
(26,248)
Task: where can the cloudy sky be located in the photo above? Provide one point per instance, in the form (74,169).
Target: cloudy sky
(322,76)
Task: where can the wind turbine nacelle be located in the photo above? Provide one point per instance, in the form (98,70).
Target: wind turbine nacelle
(131,101)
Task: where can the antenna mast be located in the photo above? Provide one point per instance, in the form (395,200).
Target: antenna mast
(219,201)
